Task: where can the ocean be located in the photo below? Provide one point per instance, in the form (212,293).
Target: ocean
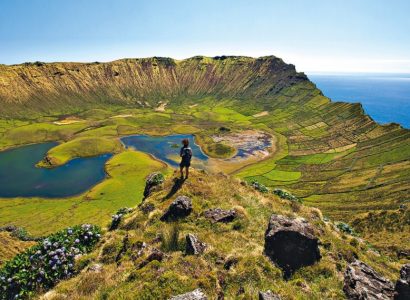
(385,97)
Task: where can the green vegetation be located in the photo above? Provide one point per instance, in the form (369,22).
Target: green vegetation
(131,266)
(80,147)
(259,186)
(219,150)
(214,149)
(279,175)
(43,265)
(286,195)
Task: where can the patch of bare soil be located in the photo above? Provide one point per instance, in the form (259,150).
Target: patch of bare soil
(252,146)
(161,107)
(248,143)
(67,121)
(261,114)
(121,116)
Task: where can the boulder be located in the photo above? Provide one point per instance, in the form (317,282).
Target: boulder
(291,243)
(180,208)
(268,295)
(153,181)
(362,282)
(402,290)
(220,215)
(193,245)
(194,295)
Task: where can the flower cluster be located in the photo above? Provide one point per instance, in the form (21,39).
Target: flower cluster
(43,265)
(286,195)
(117,217)
(259,186)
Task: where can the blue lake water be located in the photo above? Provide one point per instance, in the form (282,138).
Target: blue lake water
(385,97)
(19,177)
(166,148)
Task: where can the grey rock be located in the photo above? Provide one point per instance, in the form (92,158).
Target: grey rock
(403,254)
(220,215)
(403,284)
(362,282)
(194,295)
(268,295)
(291,244)
(180,208)
(193,245)
(152,182)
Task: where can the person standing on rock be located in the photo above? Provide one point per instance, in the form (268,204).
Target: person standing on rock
(186,156)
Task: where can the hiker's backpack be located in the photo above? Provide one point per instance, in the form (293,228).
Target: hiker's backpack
(187,153)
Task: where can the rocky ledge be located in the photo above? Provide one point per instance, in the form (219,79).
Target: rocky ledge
(291,243)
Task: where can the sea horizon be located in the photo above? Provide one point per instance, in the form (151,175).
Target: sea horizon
(384,96)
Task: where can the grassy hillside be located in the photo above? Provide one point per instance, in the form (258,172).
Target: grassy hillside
(11,246)
(233,264)
(330,154)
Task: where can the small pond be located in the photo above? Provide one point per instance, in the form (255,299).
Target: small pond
(19,177)
(166,148)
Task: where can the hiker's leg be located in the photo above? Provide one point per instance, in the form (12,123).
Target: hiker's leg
(187,172)
(181,168)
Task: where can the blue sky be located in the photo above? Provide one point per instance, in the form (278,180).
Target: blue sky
(315,35)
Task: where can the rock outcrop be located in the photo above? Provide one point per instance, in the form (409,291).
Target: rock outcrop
(220,215)
(153,181)
(193,245)
(291,243)
(194,295)
(402,290)
(362,282)
(180,208)
(268,295)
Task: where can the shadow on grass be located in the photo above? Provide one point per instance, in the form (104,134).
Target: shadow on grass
(178,182)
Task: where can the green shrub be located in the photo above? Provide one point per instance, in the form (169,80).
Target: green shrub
(43,265)
(345,228)
(259,186)
(286,195)
(157,179)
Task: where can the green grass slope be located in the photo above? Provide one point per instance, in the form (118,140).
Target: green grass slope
(124,271)
(80,147)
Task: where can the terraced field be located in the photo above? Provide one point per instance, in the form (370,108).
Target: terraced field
(330,154)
